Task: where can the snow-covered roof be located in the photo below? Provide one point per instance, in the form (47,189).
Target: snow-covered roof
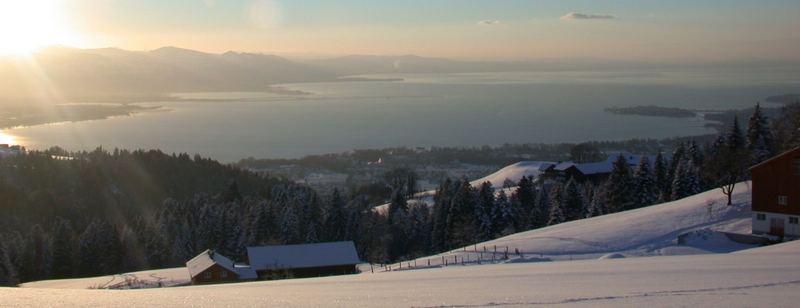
(595,168)
(207,259)
(245,271)
(302,255)
(563,166)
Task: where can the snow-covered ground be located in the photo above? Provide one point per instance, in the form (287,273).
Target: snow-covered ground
(167,277)
(647,231)
(763,277)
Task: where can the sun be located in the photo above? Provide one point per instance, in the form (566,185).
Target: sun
(28,25)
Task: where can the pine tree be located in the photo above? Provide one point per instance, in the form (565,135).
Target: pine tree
(734,139)
(597,206)
(484,213)
(507,214)
(398,203)
(556,202)
(63,249)
(661,177)
(441,208)
(619,187)
(677,157)
(526,196)
(335,220)
(759,137)
(645,184)
(574,205)
(289,226)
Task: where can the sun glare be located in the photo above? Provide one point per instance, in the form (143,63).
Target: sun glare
(7,139)
(28,25)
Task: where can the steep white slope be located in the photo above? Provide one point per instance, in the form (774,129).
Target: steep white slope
(767,279)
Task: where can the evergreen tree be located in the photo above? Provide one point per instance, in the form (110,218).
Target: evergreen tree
(556,202)
(526,196)
(619,187)
(460,219)
(398,203)
(63,249)
(441,208)
(661,176)
(484,213)
(734,139)
(597,206)
(645,183)
(759,137)
(507,214)
(677,157)
(574,205)
(100,250)
(289,226)
(335,220)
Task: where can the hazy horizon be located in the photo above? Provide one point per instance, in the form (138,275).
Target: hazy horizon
(474,30)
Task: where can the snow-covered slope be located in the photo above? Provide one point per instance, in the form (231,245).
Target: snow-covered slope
(646,231)
(513,172)
(765,279)
(167,277)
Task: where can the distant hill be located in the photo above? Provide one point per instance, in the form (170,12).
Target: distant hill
(80,73)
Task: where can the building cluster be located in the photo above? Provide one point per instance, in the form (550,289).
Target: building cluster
(275,262)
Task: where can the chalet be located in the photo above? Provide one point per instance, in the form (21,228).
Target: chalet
(211,267)
(304,260)
(776,195)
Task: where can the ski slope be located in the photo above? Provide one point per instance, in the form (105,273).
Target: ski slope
(763,277)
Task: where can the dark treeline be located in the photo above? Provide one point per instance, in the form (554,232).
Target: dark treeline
(484,155)
(109,212)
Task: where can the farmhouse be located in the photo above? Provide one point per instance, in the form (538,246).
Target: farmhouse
(776,195)
(304,260)
(277,261)
(211,267)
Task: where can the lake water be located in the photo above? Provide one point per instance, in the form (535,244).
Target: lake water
(421,110)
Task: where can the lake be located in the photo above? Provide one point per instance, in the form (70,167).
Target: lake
(421,110)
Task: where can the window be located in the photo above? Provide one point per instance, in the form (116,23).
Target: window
(793,220)
(223,274)
(207,275)
(783,200)
(760,216)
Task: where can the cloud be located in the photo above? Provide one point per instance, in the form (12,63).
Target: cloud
(489,22)
(582,16)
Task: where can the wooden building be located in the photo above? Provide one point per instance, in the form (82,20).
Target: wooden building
(303,260)
(776,195)
(211,267)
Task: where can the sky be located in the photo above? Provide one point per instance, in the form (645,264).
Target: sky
(463,29)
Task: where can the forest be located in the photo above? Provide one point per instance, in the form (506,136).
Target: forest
(103,212)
